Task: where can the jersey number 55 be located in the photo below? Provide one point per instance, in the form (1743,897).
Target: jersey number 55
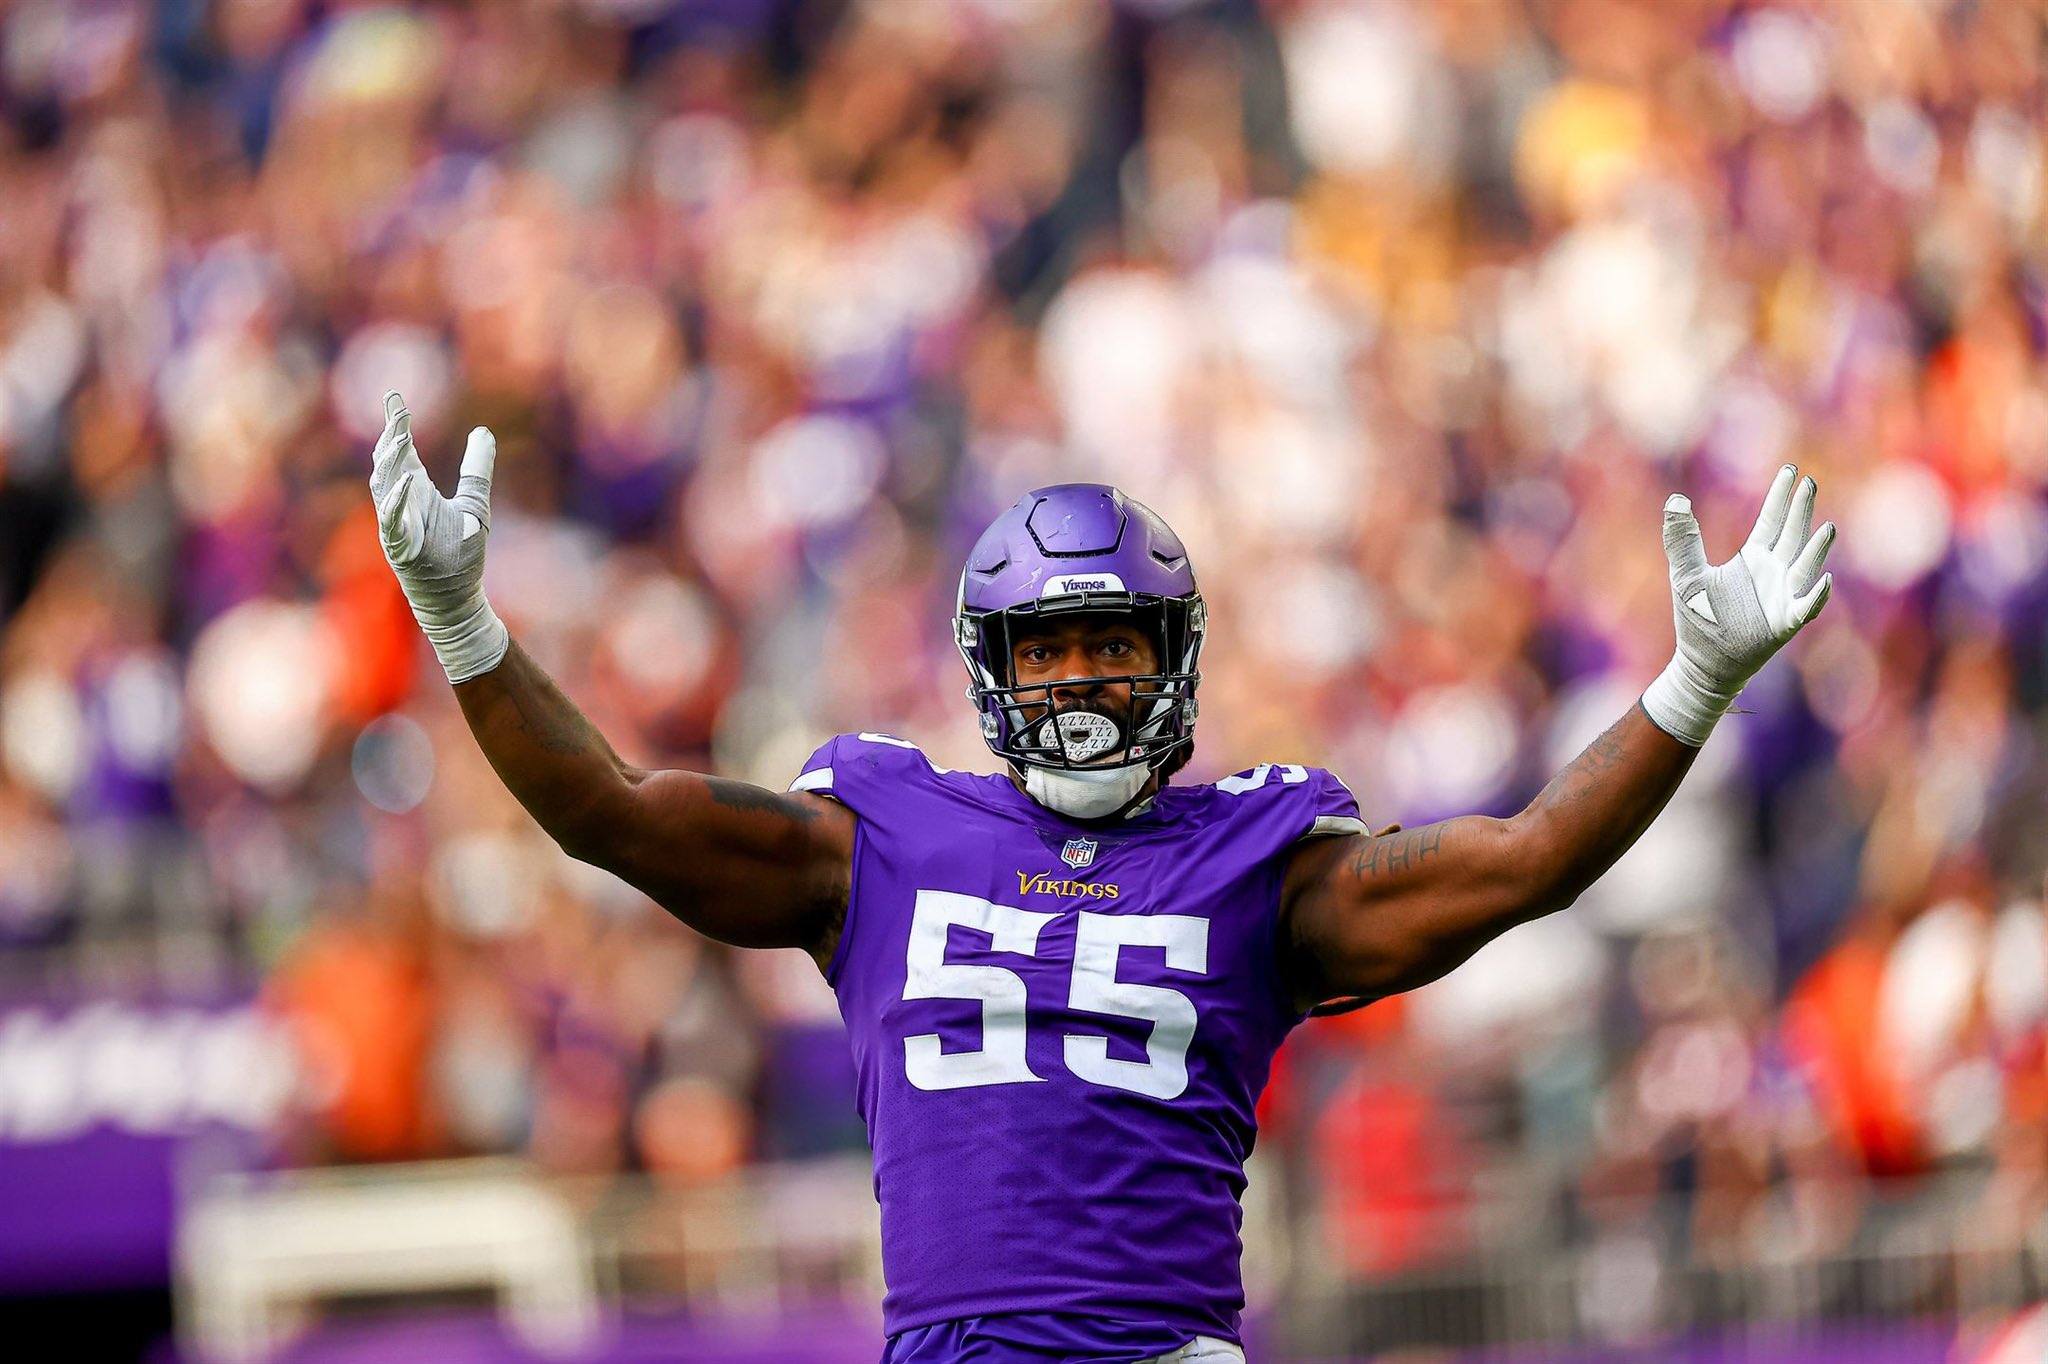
(1098,940)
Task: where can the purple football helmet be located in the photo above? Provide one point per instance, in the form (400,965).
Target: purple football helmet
(1080,547)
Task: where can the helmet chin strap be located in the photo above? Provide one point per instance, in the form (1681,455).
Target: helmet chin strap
(1088,792)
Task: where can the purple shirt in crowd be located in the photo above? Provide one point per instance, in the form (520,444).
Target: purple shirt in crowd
(1059,1032)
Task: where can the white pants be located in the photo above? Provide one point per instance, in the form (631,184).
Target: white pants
(1201,1350)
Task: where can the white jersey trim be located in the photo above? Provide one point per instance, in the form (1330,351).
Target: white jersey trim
(894,742)
(818,779)
(1201,1350)
(1327,825)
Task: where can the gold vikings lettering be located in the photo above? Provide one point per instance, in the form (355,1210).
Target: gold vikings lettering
(1041,883)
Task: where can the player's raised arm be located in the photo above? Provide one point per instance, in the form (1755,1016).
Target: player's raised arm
(744,865)
(1366,916)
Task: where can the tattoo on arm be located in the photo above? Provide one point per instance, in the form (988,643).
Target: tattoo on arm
(830,893)
(1439,892)
(1397,852)
(1598,806)
(1583,776)
(745,796)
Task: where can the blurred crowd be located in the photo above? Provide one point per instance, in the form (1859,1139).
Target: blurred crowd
(1406,315)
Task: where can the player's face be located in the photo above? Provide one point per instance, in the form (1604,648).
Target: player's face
(1067,653)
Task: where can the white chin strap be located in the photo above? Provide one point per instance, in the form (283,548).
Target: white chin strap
(1086,793)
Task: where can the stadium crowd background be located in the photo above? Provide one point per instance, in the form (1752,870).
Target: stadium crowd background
(1406,315)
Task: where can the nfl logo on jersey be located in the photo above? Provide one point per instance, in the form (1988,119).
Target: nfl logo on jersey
(1078,853)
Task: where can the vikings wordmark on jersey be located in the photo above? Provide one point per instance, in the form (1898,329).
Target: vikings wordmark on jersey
(1059,1035)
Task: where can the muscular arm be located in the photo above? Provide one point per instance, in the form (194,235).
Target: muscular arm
(1365,916)
(1374,916)
(738,863)
(734,862)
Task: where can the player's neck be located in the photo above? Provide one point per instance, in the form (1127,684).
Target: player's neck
(1137,805)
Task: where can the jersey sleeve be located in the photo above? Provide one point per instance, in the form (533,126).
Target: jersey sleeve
(863,771)
(817,775)
(1290,803)
(1333,810)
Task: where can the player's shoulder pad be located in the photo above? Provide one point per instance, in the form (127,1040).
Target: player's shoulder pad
(1315,798)
(861,757)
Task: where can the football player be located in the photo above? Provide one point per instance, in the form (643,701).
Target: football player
(1064,984)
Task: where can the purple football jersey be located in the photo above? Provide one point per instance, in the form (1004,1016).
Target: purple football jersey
(1059,1031)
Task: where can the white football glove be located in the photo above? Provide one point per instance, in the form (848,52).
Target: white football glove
(435,544)
(1732,617)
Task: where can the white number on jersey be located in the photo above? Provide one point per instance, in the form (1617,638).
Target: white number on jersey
(1260,775)
(1098,942)
(1000,1060)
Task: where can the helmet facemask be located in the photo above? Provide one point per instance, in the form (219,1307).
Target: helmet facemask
(1028,728)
